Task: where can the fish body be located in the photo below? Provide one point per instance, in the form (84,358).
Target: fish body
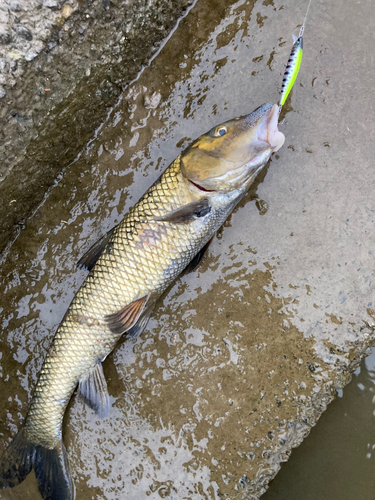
(292,69)
(129,268)
(143,256)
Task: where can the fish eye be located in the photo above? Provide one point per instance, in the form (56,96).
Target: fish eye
(220,131)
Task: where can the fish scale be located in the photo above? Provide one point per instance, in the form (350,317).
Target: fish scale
(129,267)
(106,291)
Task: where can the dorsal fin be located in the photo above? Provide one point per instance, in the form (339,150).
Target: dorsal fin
(123,320)
(88,260)
(197,259)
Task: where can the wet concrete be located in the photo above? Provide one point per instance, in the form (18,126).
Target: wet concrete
(242,356)
(63,64)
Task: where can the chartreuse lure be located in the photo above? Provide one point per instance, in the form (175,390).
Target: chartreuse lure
(293,64)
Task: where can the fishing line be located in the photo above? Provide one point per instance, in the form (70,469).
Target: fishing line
(301,31)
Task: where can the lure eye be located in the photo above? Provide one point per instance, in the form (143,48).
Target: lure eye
(220,131)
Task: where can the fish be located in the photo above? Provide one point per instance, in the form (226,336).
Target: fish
(164,233)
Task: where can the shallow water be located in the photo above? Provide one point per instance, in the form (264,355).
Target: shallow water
(337,459)
(241,356)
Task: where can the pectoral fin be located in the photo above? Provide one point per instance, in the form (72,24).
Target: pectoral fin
(93,390)
(187,213)
(126,318)
(88,260)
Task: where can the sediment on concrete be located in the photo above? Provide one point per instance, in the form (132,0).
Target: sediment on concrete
(62,66)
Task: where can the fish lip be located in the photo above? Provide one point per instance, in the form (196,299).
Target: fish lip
(268,128)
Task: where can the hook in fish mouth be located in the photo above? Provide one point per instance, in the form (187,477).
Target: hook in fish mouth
(268,131)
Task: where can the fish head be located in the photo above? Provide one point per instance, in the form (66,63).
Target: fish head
(230,154)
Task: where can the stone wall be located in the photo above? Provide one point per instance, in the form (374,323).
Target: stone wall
(62,66)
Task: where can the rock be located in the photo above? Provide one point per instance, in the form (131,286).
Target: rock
(54,55)
(22,32)
(52,4)
(5,37)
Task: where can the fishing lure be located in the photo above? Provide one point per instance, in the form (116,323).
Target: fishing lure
(293,64)
(292,69)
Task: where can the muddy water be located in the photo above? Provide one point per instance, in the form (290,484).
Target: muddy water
(240,357)
(337,459)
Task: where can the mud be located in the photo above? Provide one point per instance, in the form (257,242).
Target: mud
(241,357)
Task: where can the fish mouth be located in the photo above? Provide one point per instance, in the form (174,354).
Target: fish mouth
(198,186)
(232,161)
(268,131)
(268,136)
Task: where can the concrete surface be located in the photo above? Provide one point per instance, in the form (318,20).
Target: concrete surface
(62,66)
(242,356)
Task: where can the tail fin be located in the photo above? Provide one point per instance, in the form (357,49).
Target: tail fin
(50,467)
(16,463)
(52,473)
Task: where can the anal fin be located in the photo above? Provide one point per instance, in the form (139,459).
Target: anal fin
(93,390)
(88,260)
(126,318)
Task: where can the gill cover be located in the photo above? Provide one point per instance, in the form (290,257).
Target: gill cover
(227,155)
